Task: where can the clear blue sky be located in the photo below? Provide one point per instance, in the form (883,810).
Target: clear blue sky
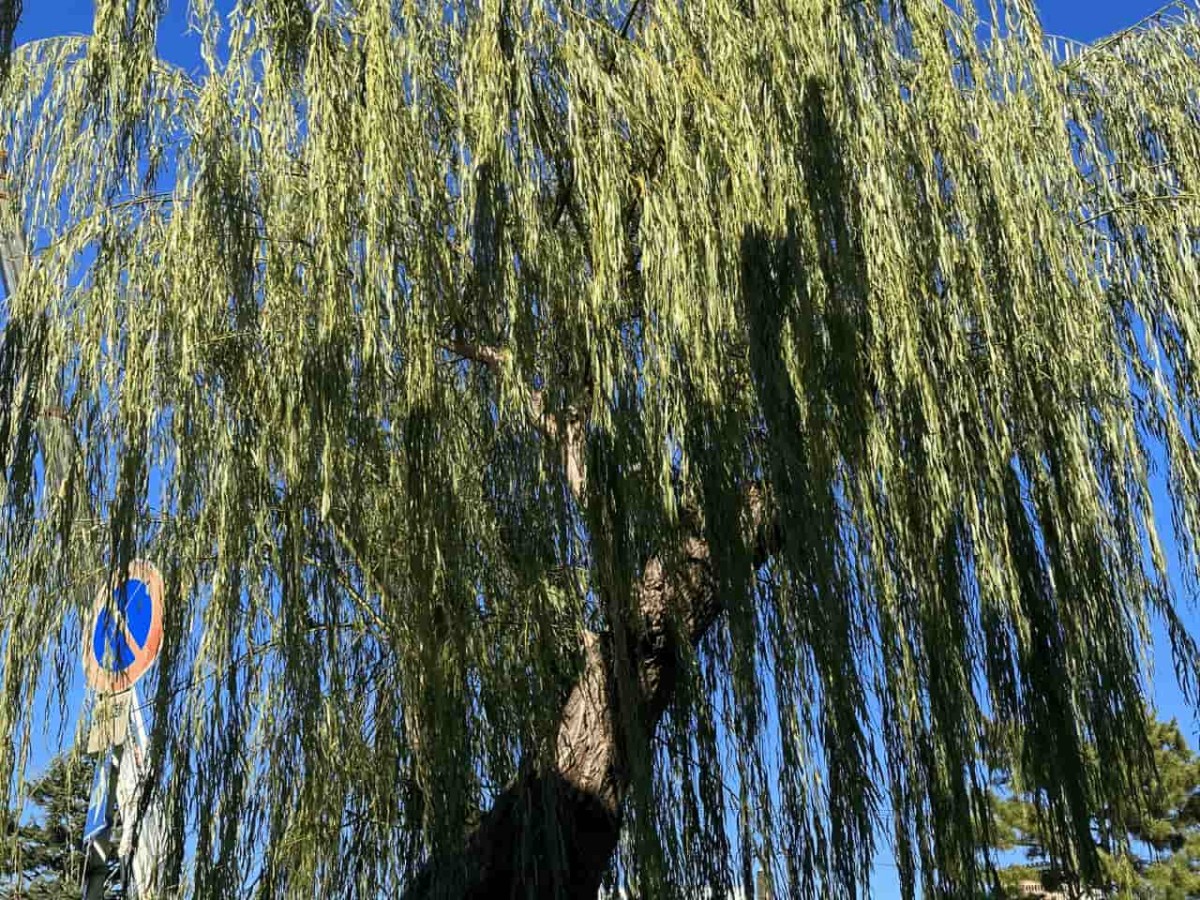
(1083,20)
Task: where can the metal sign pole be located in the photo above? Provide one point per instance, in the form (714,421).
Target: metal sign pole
(97,829)
(142,861)
(95,879)
(118,783)
(121,645)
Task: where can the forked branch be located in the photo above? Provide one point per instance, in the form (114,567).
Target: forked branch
(567,427)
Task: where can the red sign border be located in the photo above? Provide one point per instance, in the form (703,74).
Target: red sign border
(113,682)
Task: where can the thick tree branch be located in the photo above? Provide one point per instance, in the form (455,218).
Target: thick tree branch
(493,357)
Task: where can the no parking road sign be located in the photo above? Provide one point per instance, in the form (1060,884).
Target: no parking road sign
(126,630)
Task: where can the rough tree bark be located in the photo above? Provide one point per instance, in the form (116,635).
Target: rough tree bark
(552,833)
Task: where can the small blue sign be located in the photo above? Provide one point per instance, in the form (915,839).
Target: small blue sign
(99,814)
(123,628)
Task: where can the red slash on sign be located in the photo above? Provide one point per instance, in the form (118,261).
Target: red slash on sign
(126,630)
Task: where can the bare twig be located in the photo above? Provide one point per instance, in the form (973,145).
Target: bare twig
(628,23)
(1134,204)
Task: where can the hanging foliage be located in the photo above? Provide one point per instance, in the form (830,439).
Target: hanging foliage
(654,442)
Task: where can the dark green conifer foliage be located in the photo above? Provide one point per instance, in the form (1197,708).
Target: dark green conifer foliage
(10,15)
(1149,849)
(41,853)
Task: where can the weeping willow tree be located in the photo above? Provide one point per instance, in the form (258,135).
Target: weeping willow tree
(647,444)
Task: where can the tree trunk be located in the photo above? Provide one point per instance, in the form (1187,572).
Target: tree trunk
(552,833)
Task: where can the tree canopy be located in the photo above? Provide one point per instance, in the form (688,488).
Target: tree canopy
(641,441)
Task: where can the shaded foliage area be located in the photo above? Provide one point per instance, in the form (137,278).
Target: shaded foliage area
(10,15)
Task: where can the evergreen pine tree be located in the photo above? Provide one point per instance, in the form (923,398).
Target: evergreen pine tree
(41,852)
(1150,845)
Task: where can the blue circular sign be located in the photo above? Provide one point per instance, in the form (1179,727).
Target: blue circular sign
(123,628)
(126,630)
